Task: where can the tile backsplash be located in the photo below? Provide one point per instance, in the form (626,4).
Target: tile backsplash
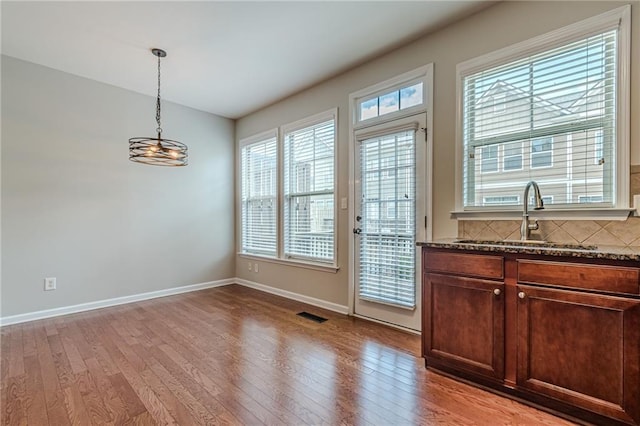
(591,232)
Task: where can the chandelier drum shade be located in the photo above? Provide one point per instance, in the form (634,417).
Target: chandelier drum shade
(158,151)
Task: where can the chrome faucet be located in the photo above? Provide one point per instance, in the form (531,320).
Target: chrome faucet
(526,227)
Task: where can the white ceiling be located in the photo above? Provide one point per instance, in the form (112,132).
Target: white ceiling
(227,58)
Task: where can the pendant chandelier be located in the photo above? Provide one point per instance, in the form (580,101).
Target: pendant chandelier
(158,151)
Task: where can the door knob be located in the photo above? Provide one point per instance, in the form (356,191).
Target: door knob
(521,295)
(357,230)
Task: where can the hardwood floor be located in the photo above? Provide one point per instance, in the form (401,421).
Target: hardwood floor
(231,355)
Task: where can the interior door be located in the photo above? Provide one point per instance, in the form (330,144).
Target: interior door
(389,218)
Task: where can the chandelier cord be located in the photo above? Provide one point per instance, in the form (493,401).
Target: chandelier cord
(159,129)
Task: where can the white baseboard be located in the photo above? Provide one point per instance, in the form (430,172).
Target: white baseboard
(65,310)
(48,313)
(342,309)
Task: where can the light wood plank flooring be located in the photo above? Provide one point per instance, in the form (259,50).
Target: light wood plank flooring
(231,355)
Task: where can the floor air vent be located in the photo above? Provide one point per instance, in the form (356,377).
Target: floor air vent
(311,317)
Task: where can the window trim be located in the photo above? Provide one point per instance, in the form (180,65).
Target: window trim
(616,18)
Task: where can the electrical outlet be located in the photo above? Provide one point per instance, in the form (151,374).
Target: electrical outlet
(249,266)
(49,284)
(255,267)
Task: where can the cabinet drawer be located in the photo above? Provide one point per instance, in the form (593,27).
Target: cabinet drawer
(617,279)
(476,265)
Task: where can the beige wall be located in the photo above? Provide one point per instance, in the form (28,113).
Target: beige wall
(74,207)
(501,25)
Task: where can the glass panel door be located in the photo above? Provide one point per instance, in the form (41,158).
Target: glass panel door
(387,260)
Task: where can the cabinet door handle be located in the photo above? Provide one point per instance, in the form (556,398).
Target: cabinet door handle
(497,292)
(521,295)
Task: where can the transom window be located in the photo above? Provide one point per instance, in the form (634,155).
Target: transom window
(551,115)
(400,99)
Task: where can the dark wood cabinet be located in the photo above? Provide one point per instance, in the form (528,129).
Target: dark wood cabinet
(580,348)
(465,323)
(562,333)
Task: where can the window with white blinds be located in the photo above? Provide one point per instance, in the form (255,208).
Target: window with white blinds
(550,117)
(309,213)
(259,196)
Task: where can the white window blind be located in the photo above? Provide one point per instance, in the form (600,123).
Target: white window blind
(309,223)
(259,197)
(387,250)
(556,125)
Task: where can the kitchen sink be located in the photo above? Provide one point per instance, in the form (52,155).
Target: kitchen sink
(528,243)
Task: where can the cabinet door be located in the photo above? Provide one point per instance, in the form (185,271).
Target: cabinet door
(580,348)
(464,323)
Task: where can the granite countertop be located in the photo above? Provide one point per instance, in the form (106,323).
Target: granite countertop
(547,249)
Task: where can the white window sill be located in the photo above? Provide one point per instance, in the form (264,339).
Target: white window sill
(324,267)
(547,214)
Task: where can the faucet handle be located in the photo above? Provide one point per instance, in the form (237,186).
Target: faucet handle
(534,226)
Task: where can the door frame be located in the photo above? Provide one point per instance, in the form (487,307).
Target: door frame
(426,74)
